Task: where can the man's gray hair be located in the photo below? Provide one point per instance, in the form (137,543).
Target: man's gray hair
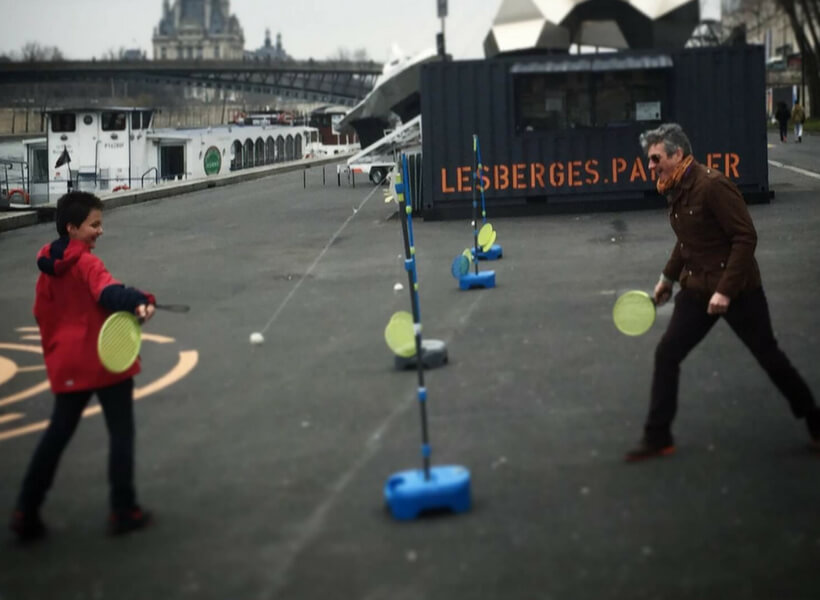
(672,137)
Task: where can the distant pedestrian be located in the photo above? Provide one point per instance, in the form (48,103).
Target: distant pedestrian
(713,260)
(783,115)
(74,295)
(798,118)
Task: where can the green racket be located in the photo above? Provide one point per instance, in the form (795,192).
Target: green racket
(634,312)
(488,243)
(486,237)
(118,344)
(400,334)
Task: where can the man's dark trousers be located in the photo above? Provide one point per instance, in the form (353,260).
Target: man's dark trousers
(748,316)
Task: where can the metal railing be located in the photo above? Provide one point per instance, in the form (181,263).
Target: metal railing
(156,176)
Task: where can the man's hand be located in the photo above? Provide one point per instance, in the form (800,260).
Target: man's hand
(718,304)
(145,311)
(663,291)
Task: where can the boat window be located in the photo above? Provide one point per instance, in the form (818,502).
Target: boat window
(146,118)
(112,121)
(135,121)
(61,122)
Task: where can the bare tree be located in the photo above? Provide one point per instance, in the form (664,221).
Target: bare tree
(808,52)
(34,52)
(346,55)
(112,54)
(804,19)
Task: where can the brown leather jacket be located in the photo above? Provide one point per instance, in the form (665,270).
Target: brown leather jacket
(716,237)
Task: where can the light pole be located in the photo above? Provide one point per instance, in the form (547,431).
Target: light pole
(442,13)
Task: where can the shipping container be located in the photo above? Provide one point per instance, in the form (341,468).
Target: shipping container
(560,132)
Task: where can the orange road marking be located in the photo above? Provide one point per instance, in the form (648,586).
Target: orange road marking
(30,337)
(10,417)
(37,329)
(30,369)
(27,393)
(186,363)
(21,348)
(8,369)
(188,359)
(159,339)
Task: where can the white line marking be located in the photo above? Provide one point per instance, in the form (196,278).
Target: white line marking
(805,172)
(316,261)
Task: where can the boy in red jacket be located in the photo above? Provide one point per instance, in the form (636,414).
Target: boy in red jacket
(74,295)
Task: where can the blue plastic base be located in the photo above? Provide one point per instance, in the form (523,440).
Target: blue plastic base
(483,279)
(408,494)
(494,253)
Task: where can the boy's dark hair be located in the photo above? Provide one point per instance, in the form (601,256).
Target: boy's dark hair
(74,208)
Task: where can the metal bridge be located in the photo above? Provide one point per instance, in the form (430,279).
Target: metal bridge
(343,83)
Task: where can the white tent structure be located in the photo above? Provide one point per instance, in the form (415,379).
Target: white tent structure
(524,25)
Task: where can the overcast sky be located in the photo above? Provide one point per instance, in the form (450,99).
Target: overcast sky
(83,29)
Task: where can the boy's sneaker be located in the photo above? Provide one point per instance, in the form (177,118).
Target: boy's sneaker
(646,449)
(27,526)
(125,521)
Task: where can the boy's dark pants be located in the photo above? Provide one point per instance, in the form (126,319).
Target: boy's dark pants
(748,316)
(118,408)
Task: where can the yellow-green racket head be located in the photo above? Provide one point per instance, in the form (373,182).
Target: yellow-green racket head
(403,316)
(489,241)
(484,234)
(634,312)
(400,334)
(118,344)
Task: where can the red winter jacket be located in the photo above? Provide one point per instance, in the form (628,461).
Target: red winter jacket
(69,314)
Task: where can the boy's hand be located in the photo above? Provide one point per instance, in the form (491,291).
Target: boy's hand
(145,311)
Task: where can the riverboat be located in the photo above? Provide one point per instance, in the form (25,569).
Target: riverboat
(111,149)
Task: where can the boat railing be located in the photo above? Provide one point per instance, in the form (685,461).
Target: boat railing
(156,176)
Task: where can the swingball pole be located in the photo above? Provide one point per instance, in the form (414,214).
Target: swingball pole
(475,205)
(409,493)
(406,213)
(477,176)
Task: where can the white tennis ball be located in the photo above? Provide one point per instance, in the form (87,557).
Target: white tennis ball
(257,338)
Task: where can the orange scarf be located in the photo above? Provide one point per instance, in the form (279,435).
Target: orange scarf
(667,183)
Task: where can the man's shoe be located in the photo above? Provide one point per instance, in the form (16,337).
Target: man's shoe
(813,425)
(646,449)
(27,526)
(126,521)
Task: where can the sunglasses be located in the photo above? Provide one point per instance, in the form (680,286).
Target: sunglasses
(654,158)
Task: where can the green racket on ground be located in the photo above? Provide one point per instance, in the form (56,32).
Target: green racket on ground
(118,344)
(634,312)
(400,334)
(486,236)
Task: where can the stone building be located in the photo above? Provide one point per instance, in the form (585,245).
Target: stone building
(269,52)
(198,30)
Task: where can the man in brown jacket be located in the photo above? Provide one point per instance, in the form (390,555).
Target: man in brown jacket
(713,260)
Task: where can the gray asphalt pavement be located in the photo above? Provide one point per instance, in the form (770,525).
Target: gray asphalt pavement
(265,464)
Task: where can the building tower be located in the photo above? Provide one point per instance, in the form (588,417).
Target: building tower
(198,30)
